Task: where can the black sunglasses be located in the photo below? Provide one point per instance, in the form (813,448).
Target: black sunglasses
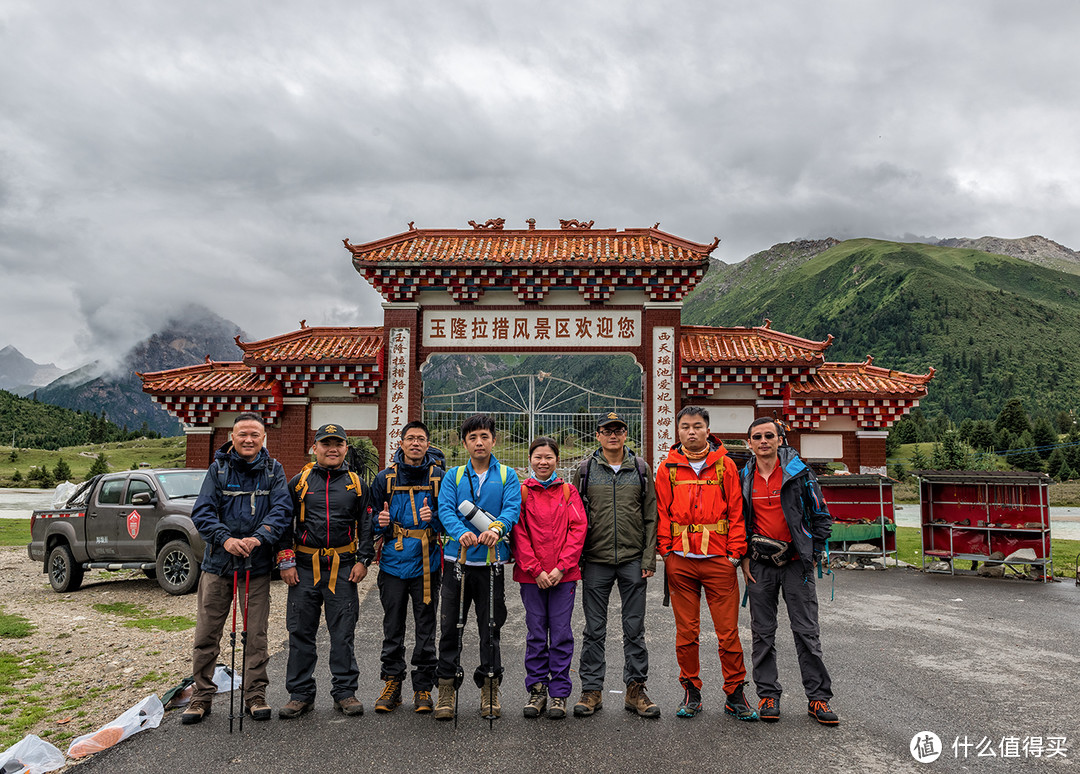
(766,436)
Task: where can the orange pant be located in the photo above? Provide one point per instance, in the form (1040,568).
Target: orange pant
(686,578)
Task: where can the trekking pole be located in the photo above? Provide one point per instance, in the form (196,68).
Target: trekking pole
(232,642)
(491,640)
(459,673)
(244,639)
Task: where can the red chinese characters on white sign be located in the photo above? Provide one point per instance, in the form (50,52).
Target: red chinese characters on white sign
(397,401)
(535,329)
(663,391)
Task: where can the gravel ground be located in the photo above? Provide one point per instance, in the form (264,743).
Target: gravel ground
(86,649)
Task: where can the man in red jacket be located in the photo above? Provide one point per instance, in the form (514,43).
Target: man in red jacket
(702,538)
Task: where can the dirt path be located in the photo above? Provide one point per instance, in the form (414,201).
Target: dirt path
(80,667)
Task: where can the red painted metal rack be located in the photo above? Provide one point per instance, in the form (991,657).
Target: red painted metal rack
(970,515)
(862,511)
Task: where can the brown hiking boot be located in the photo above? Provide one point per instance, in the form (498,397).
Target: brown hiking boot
(258,708)
(350,706)
(195,712)
(537,702)
(422,701)
(444,708)
(390,698)
(557,708)
(489,698)
(294,708)
(590,702)
(638,701)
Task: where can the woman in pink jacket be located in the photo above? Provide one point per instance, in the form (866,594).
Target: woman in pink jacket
(547,543)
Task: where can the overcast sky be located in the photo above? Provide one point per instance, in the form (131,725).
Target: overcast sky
(155,154)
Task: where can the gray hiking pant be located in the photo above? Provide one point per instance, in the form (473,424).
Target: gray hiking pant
(307,602)
(597,581)
(800,596)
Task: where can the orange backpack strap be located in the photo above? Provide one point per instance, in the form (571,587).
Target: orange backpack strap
(302,487)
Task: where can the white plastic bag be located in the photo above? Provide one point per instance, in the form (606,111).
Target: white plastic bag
(225,680)
(62,494)
(146,714)
(35,755)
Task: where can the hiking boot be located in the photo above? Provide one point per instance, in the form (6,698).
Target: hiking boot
(691,702)
(557,708)
(768,709)
(258,708)
(590,702)
(819,711)
(294,708)
(195,712)
(390,698)
(350,706)
(422,701)
(489,698)
(444,708)
(537,701)
(638,701)
(737,707)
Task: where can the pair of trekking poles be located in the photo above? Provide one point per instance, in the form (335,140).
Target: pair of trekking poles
(243,640)
(459,671)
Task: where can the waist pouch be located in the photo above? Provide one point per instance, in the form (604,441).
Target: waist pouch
(768,550)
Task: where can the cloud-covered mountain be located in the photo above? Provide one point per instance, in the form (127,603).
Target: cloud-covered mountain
(21,375)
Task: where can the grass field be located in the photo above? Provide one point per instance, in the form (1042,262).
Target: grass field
(157,452)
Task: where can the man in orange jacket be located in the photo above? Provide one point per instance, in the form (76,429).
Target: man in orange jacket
(702,538)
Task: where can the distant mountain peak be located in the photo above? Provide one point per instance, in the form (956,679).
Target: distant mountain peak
(1035,249)
(21,375)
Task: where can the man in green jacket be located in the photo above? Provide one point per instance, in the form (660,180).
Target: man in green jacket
(620,545)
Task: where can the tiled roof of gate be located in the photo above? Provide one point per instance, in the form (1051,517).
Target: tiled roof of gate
(315,345)
(211,378)
(840,378)
(748,346)
(539,247)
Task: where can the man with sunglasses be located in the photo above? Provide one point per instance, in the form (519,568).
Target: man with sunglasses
(788,525)
(620,546)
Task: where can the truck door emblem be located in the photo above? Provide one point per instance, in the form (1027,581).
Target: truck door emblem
(133,524)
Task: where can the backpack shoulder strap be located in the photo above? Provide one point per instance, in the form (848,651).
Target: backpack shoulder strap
(302,487)
(566,492)
(642,471)
(583,473)
(355,478)
(459,472)
(502,473)
(435,474)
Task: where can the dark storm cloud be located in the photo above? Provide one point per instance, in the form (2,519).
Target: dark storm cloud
(155,155)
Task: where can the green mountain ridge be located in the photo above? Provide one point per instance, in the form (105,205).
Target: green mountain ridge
(993,326)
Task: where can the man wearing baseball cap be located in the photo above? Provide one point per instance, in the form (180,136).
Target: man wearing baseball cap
(331,550)
(620,546)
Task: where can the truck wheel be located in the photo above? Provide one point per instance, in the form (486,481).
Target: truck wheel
(64,573)
(178,568)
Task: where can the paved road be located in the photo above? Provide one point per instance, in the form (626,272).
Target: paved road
(908,653)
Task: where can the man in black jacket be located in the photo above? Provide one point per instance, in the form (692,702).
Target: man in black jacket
(332,548)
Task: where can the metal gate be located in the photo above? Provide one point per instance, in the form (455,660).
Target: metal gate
(525,407)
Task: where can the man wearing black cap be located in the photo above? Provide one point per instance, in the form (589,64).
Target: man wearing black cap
(620,546)
(332,548)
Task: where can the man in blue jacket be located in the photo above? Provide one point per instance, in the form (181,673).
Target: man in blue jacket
(409,566)
(787,529)
(241,512)
(477,556)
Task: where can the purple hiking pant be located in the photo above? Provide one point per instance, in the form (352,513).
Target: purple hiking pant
(549,645)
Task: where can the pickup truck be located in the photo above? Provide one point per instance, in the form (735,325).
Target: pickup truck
(134,520)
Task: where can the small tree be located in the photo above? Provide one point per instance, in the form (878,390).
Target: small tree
(62,471)
(1065,474)
(982,435)
(46,480)
(919,460)
(1044,436)
(14,456)
(101,465)
(1024,456)
(16,477)
(1013,418)
(1055,463)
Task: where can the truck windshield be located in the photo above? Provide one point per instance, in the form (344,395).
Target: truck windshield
(182,483)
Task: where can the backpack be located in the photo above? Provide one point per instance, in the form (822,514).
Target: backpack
(222,479)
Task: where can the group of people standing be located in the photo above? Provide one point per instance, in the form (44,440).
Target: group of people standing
(442,539)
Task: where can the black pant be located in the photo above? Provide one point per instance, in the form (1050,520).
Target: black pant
(395,593)
(306,602)
(479,582)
